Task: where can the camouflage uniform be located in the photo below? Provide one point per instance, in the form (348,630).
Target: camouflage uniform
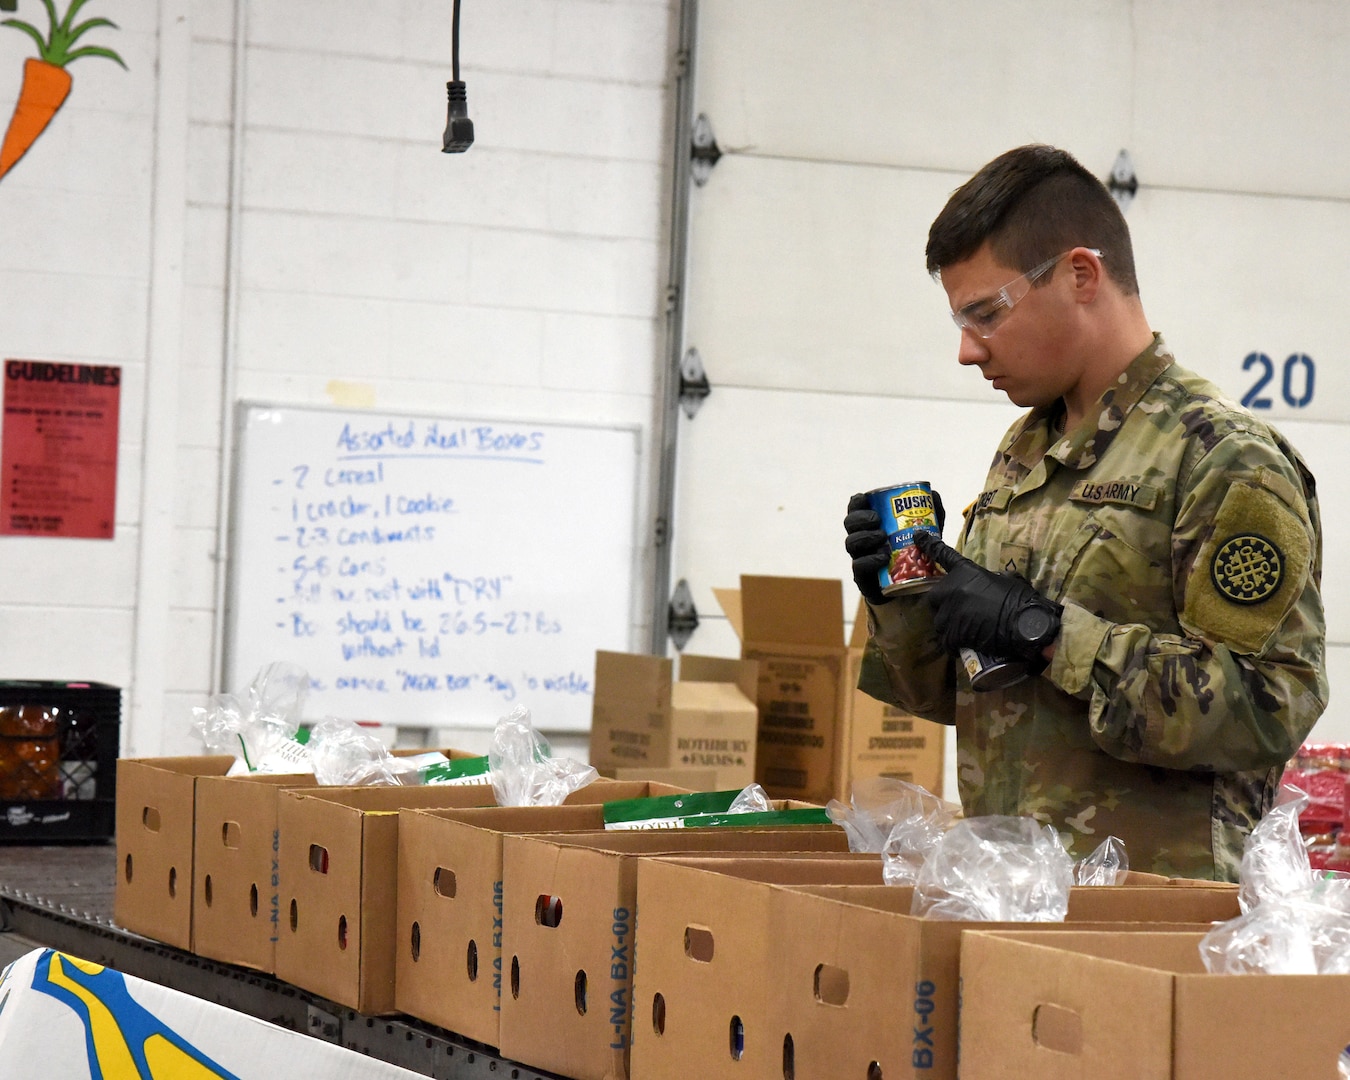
(1183,538)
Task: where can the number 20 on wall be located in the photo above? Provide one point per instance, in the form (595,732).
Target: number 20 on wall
(1296,385)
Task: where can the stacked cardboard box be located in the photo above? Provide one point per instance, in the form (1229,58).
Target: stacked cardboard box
(818,733)
(698,731)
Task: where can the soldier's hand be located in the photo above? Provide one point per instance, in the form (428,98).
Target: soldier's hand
(976,608)
(867,547)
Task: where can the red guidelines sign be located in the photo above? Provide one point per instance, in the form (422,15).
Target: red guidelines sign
(58,449)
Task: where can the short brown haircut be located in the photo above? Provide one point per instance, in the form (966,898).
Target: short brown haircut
(1030,204)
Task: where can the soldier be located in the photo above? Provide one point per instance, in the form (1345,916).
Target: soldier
(1149,548)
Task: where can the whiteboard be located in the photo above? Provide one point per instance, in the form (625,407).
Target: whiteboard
(430,570)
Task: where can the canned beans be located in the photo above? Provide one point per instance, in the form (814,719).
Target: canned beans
(908,563)
(905,509)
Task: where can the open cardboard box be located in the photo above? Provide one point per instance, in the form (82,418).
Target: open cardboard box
(338,861)
(156,818)
(197,855)
(818,733)
(236,879)
(448,961)
(1107,1006)
(825,980)
(570,915)
(236,910)
(705,720)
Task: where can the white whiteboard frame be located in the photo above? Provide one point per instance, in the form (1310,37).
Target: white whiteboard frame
(244,407)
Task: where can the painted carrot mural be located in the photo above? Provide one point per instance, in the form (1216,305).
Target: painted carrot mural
(46,82)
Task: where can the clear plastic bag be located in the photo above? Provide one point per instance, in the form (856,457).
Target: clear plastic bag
(752,800)
(1107,864)
(258,727)
(344,754)
(1306,932)
(1274,859)
(523,770)
(997,869)
(1294,921)
(901,821)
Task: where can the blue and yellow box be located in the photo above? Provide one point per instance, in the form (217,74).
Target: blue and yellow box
(61,1016)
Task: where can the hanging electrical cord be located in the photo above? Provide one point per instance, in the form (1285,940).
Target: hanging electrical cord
(458,135)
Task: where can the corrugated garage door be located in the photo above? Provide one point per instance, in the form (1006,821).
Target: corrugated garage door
(844,127)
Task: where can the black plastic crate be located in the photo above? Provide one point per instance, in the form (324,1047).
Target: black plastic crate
(58,760)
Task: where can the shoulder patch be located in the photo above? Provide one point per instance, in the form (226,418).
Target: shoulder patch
(1250,571)
(1247,569)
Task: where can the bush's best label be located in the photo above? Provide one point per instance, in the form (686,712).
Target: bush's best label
(904,510)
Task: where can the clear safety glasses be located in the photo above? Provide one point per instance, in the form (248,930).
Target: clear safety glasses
(983,317)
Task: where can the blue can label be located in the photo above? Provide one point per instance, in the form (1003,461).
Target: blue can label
(904,510)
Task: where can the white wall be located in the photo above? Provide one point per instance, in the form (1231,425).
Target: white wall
(75,269)
(346,261)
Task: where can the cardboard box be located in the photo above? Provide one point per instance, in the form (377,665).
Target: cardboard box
(1139,1007)
(824,980)
(338,864)
(69,1018)
(691,779)
(882,740)
(448,960)
(794,628)
(569,914)
(705,720)
(156,818)
(236,876)
(817,732)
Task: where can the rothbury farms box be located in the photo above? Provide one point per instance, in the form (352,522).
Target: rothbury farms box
(704,720)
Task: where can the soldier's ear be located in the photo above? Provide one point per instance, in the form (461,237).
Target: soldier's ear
(1085,268)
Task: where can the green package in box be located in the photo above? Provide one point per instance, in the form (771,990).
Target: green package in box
(663,811)
(759,819)
(472,770)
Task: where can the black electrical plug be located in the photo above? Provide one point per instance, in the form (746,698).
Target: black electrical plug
(458,127)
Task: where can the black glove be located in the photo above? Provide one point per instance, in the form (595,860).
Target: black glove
(996,614)
(867,547)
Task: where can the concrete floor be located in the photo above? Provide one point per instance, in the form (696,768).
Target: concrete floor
(12,946)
